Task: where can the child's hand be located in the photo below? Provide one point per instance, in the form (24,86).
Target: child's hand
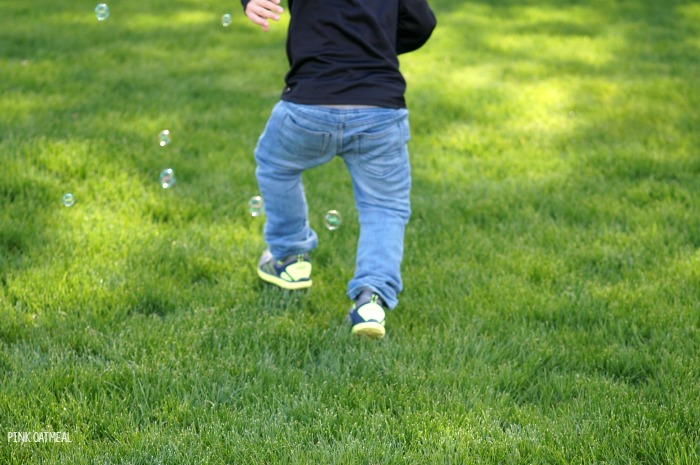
(259,11)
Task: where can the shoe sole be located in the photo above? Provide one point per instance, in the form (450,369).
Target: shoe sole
(370,329)
(290,285)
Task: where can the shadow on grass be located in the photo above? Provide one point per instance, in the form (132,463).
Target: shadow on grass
(555,156)
(627,118)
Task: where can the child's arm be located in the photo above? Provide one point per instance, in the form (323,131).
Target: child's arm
(416,23)
(259,11)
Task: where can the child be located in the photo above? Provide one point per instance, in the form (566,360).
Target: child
(344,96)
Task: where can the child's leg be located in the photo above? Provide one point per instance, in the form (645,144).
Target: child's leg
(379,166)
(286,148)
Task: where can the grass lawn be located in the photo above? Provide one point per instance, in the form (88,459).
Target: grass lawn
(552,264)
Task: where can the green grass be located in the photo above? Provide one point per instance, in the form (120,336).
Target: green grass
(552,263)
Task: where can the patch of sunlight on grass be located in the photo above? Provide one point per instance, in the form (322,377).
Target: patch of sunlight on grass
(172,19)
(690,16)
(19,108)
(563,35)
(693,42)
(541,104)
(467,13)
(459,135)
(134,17)
(544,109)
(146,127)
(542,14)
(472,78)
(690,13)
(455,167)
(583,50)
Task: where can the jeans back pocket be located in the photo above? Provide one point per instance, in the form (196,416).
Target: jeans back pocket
(382,150)
(299,139)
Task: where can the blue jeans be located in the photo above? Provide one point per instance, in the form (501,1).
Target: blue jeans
(372,142)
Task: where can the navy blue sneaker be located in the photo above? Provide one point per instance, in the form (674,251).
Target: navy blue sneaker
(293,272)
(367,315)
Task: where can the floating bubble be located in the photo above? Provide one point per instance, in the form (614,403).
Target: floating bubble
(102,11)
(68,200)
(333,220)
(226,20)
(256,206)
(167,178)
(164,137)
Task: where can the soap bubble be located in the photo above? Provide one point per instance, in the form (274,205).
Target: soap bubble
(167,178)
(226,20)
(68,200)
(102,11)
(164,137)
(256,206)
(333,220)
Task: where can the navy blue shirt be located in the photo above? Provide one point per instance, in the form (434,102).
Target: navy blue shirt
(345,52)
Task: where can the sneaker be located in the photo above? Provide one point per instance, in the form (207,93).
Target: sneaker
(367,315)
(293,272)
